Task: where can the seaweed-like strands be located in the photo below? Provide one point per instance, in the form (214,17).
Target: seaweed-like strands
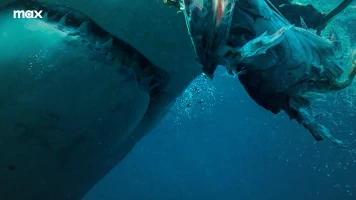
(352,71)
(351,75)
(341,85)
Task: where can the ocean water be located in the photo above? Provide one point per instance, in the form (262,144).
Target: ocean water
(224,146)
(71,128)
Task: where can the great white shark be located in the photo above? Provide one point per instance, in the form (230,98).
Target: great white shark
(75,98)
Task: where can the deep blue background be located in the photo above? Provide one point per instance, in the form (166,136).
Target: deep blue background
(227,147)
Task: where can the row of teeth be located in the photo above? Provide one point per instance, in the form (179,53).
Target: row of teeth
(146,76)
(83,28)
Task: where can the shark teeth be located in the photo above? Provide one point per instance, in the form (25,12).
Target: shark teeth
(62,22)
(83,28)
(109,56)
(106,45)
(45,16)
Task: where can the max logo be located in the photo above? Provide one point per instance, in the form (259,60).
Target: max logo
(29,14)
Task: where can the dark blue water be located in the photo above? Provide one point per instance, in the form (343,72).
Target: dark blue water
(229,148)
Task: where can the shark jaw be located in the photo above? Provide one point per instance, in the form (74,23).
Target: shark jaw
(71,95)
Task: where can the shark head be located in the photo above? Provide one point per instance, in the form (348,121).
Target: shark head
(71,96)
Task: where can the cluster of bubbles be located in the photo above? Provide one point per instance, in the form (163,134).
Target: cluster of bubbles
(194,99)
(37,64)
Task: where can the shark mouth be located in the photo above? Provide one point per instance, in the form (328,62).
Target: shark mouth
(208,23)
(104,46)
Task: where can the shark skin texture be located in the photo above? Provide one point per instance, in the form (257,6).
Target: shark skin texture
(281,66)
(75,98)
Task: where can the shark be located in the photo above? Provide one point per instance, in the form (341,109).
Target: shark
(75,97)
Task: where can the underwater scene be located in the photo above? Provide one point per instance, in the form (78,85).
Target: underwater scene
(177,100)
